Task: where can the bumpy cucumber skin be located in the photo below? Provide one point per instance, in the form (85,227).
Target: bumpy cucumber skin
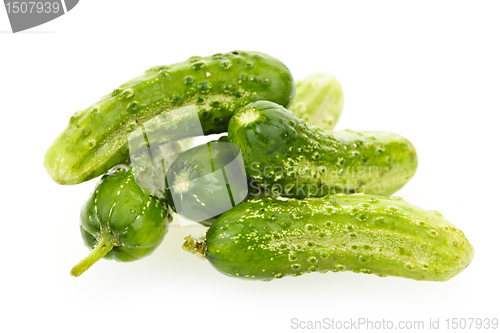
(284,153)
(198,162)
(318,100)
(197,187)
(269,238)
(125,212)
(96,138)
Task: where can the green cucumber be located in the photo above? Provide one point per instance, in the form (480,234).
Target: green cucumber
(318,100)
(208,180)
(285,155)
(271,238)
(205,181)
(212,88)
(121,220)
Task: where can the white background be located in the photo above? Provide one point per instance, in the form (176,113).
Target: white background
(428,70)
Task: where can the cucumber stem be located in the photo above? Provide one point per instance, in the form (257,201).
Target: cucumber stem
(104,246)
(194,246)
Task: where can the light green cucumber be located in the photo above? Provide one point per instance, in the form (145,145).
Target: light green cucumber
(212,88)
(318,100)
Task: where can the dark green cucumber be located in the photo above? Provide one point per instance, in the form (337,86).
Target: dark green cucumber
(121,220)
(205,181)
(271,238)
(213,87)
(208,180)
(285,155)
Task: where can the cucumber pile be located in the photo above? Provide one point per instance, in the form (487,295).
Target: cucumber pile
(282,194)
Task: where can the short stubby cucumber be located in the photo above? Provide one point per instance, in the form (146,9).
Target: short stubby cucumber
(318,100)
(215,87)
(206,180)
(284,154)
(121,220)
(271,238)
